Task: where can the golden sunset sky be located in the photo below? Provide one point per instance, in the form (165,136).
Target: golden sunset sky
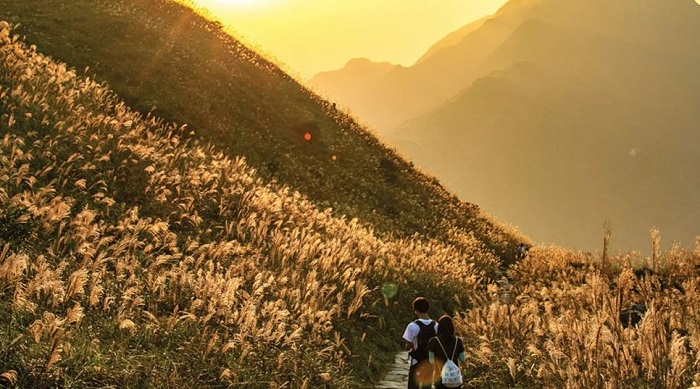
(310,36)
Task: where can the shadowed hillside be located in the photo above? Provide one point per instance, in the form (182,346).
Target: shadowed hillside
(164,59)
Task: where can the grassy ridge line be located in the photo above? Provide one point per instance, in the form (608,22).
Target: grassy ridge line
(162,57)
(132,258)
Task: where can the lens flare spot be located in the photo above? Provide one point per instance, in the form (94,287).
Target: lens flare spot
(389,290)
(334,158)
(307,136)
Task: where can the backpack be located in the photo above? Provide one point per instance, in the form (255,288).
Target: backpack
(451,376)
(426,332)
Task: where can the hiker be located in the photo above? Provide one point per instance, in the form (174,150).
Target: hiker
(443,347)
(417,335)
(522,251)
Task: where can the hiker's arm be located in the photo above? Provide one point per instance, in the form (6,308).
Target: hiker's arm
(408,337)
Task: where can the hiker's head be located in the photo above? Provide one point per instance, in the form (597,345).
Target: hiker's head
(445,326)
(421,305)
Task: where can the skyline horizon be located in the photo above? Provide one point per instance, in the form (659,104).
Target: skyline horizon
(282,31)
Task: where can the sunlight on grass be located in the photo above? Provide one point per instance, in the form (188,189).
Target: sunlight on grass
(131,256)
(137,240)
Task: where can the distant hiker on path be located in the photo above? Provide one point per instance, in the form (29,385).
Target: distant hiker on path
(446,346)
(522,251)
(417,335)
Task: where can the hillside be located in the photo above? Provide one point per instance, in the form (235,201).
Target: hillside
(573,113)
(164,59)
(133,258)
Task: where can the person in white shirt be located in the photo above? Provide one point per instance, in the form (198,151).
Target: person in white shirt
(416,336)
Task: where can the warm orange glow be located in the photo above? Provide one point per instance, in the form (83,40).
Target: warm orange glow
(237,2)
(310,36)
(307,136)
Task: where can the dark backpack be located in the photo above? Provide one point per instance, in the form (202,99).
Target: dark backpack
(426,332)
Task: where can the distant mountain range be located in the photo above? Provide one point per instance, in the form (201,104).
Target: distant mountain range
(556,115)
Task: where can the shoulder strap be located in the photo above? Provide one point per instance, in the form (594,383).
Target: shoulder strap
(443,348)
(420,323)
(440,343)
(455,350)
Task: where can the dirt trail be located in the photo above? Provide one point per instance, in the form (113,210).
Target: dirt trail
(397,377)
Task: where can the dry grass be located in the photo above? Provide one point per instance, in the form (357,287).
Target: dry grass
(143,245)
(559,323)
(132,259)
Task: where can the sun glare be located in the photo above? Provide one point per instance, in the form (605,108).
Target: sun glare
(222,7)
(237,2)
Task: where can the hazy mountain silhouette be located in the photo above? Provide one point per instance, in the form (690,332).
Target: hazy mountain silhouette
(568,113)
(453,38)
(408,91)
(349,85)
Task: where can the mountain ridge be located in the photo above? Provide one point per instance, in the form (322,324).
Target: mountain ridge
(615,96)
(617,145)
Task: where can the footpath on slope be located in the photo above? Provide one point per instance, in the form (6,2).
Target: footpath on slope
(397,377)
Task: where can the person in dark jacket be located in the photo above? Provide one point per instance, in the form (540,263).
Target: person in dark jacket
(445,345)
